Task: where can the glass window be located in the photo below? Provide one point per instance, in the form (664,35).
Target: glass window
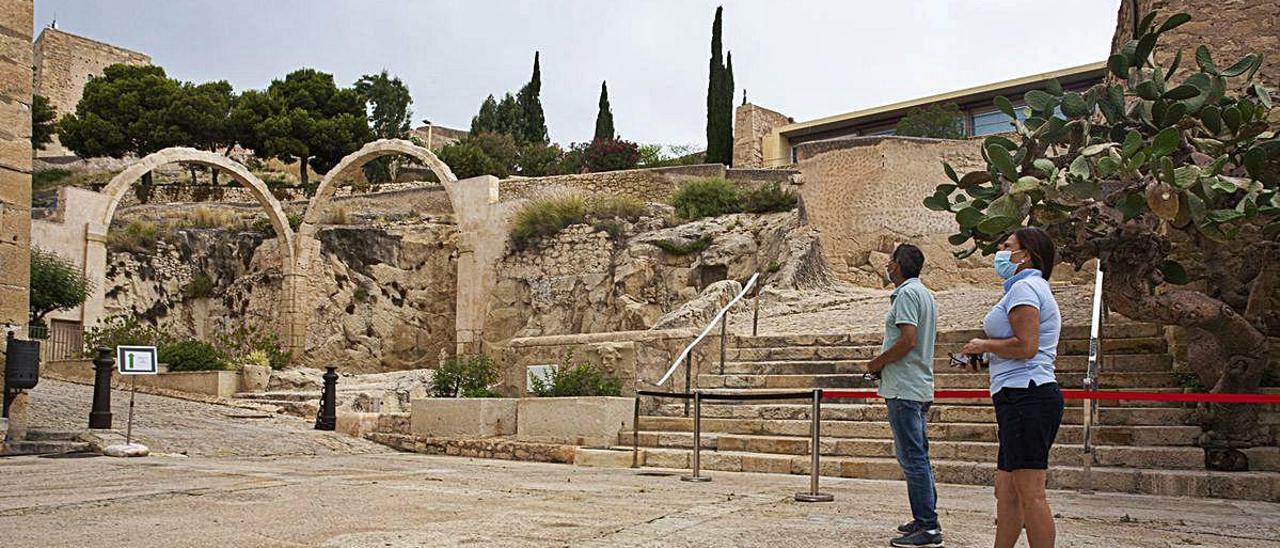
(994,121)
(882,132)
(794,155)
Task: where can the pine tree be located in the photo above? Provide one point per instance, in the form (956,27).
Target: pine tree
(715,79)
(604,119)
(533,124)
(509,118)
(726,106)
(487,119)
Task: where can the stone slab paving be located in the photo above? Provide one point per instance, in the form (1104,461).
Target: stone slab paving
(182,427)
(396,500)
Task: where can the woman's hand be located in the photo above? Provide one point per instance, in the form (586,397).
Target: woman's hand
(974,346)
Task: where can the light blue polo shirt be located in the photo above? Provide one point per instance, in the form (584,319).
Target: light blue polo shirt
(1025,288)
(910,378)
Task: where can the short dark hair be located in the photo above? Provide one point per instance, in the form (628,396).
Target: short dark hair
(910,260)
(1039,246)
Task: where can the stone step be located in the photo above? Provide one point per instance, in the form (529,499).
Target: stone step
(1262,486)
(47,447)
(942,381)
(1261,459)
(55,435)
(1066,347)
(297,396)
(1114,363)
(1180,435)
(1114,331)
(1112,416)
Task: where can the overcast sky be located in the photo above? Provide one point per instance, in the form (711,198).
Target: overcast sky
(806,59)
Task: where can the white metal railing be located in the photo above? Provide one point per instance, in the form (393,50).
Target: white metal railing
(1089,407)
(684,355)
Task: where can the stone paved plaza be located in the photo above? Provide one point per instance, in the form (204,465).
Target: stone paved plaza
(324,489)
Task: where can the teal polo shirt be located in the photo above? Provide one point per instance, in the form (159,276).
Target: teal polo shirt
(910,378)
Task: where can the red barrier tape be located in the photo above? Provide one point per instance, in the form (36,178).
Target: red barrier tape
(1083,395)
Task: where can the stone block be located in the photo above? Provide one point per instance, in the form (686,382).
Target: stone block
(15,189)
(603,458)
(357,424)
(15,154)
(254,378)
(593,421)
(463,417)
(16,19)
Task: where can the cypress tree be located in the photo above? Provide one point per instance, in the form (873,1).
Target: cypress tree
(726,105)
(533,124)
(604,119)
(509,117)
(715,79)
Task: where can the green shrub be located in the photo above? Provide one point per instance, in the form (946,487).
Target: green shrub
(611,155)
(257,357)
(244,341)
(584,379)
(546,217)
(124,332)
(465,377)
(613,227)
(137,237)
(56,284)
(48,178)
(201,286)
(619,206)
(192,355)
(361,293)
(769,198)
(709,197)
(680,249)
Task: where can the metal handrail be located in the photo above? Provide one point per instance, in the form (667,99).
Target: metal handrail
(719,315)
(1092,371)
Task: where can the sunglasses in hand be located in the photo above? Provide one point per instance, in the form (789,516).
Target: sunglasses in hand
(973,361)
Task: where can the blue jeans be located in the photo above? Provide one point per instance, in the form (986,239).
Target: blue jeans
(909,420)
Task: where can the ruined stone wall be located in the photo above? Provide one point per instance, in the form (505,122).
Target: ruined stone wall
(1231,29)
(383,295)
(751,124)
(64,62)
(15,160)
(585,281)
(864,197)
(654,185)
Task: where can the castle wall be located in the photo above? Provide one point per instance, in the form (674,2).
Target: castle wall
(64,62)
(15,160)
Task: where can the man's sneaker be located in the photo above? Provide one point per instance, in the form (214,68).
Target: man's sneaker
(909,527)
(920,538)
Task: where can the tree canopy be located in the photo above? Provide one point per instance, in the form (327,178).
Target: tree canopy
(124,111)
(304,117)
(388,101)
(43,121)
(944,121)
(56,284)
(1170,177)
(719,99)
(532,127)
(604,117)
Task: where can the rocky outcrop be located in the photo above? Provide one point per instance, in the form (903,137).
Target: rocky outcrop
(585,281)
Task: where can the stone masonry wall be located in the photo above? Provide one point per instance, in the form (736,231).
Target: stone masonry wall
(654,185)
(1231,29)
(15,159)
(863,196)
(751,123)
(64,62)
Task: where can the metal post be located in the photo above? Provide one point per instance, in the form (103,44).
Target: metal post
(755,315)
(635,434)
(327,416)
(697,441)
(688,361)
(128,431)
(100,414)
(724,338)
(815,450)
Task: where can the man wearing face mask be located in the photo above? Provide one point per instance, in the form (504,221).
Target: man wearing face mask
(905,366)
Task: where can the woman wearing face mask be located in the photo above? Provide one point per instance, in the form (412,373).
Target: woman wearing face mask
(1021,345)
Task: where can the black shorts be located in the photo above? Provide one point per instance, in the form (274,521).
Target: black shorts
(1028,420)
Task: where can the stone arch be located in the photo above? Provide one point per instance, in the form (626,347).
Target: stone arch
(370,151)
(115,189)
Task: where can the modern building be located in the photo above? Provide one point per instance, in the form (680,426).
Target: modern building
(63,63)
(771,138)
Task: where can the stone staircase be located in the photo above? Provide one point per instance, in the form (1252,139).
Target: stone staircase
(1140,447)
(48,442)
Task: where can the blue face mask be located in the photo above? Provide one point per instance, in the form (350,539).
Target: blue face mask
(1005,267)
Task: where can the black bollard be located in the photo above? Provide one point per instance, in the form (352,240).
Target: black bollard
(327,417)
(103,365)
